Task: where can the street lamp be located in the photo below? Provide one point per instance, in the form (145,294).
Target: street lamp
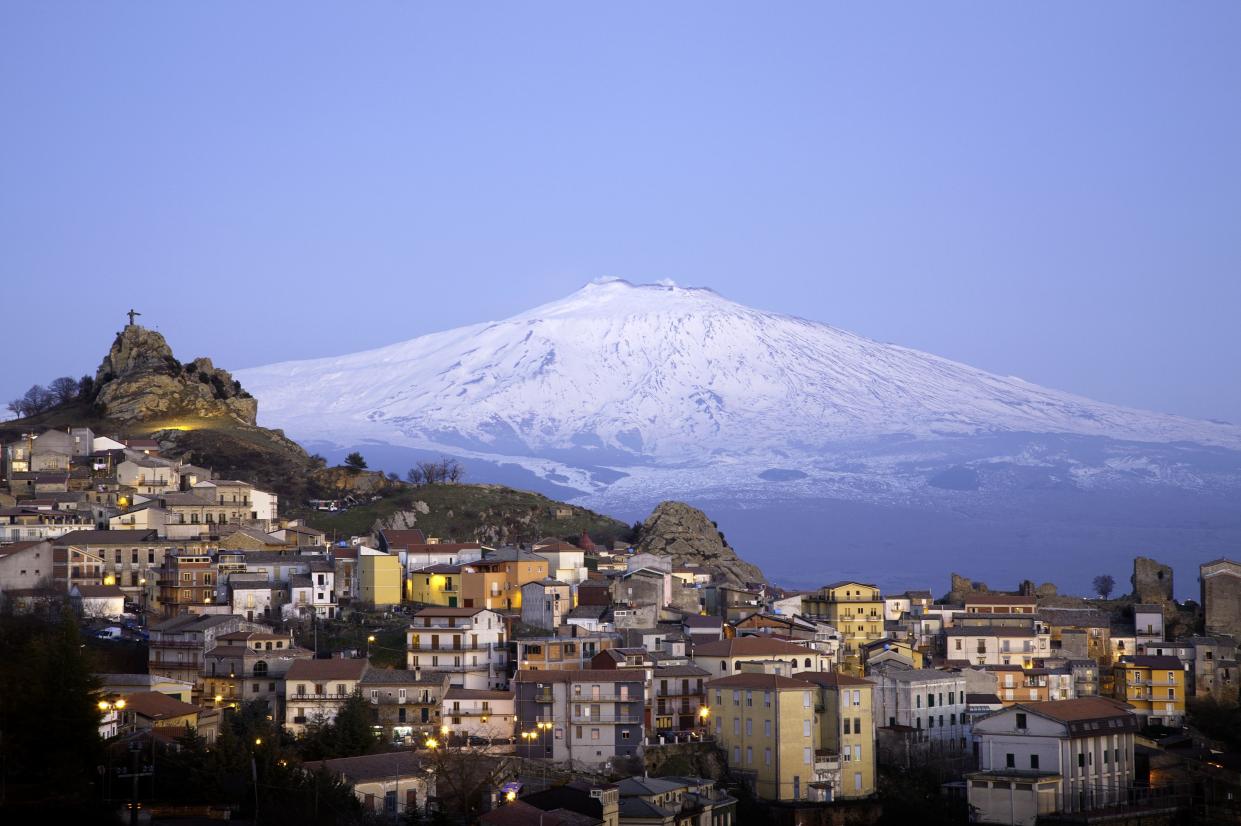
(431,743)
(370,638)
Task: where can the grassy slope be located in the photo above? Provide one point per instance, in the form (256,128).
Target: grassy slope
(490,513)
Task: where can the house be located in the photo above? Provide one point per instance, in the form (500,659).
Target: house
(576,803)
(1147,624)
(314,690)
(312,593)
(1041,758)
(466,643)
(438,584)
(997,644)
(406,703)
(726,656)
(495,581)
(1154,687)
(99,601)
(678,695)
(256,598)
(566,561)
(672,800)
(25,565)
(765,724)
(187,579)
(586,718)
(122,685)
(545,602)
(151,709)
(392,784)
(474,712)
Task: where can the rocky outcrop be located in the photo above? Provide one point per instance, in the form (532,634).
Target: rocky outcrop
(686,534)
(140,381)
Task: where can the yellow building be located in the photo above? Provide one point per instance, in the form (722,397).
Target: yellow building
(1154,686)
(846,726)
(435,585)
(379,579)
(855,609)
(766,725)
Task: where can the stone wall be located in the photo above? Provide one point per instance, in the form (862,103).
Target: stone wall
(1152,580)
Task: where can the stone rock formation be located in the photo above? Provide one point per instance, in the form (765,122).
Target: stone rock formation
(1152,580)
(140,381)
(686,534)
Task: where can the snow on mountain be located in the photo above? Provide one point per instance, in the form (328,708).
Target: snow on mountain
(620,391)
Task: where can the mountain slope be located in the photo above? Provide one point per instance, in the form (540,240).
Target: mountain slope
(620,374)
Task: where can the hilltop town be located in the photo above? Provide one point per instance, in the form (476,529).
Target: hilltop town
(533,671)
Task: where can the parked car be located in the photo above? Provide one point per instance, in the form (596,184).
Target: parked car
(112,632)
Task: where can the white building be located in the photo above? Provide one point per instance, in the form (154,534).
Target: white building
(1147,625)
(466,643)
(314,690)
(997,644)
(1039,758)
(924,699)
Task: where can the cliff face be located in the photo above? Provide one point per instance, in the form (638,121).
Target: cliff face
(689,537)
(140,381)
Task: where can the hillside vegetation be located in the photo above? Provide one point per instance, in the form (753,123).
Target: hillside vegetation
(492,514)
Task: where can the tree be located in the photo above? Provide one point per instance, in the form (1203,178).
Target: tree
(1103,585)
(464,777)
(63,390)
(354,461)
(414,476)
(86,388)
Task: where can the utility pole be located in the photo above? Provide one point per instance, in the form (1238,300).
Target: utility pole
(136,773)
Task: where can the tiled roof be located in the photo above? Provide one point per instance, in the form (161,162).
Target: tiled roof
(831,678)
(757,680)
(583,675)
(748,647)
(156,706)
(333,669)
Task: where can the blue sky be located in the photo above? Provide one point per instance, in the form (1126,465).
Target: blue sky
(1045,190)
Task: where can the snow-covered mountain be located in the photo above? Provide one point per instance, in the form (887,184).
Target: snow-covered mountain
(624,394)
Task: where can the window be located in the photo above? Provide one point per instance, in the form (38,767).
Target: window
(805,728)
(845,723)
(749,697)
(1034,761)
(917,701)
(766,728)
(749,755)
(1021,720)
(1081,759)
(767,698)
(594,734)
(766,757)
(857,753)
(737,726)
(807,755)
(1010,760)
(737,755)
(749,727)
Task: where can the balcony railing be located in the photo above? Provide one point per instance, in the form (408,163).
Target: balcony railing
(297,698)
(603,698)
(618,719)
(543,697)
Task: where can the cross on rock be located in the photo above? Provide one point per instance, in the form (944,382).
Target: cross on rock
(131,315)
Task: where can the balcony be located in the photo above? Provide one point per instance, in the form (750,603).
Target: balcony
(604,697)
(826,761)
(544,697)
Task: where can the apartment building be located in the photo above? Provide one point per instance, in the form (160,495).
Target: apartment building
(466,643)
(855,609)
(765,723)
(844,706)
(930,702)
(1154,686)
(1041,758)
(567,651)
(583,719)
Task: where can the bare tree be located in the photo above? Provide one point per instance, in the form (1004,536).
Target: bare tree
(415,476)
(63,390)
(453,470)
(465,776)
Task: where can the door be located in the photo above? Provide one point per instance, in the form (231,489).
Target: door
(452,602)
